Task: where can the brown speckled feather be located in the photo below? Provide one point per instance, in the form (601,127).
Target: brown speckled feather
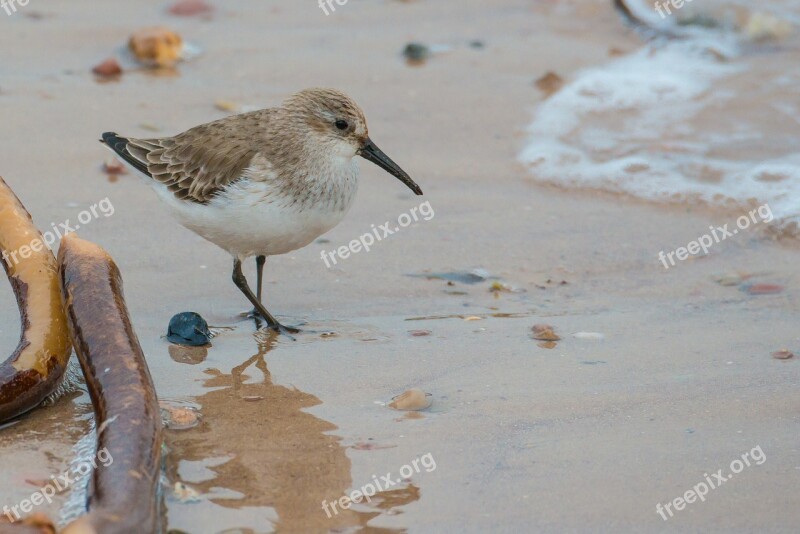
(196,164)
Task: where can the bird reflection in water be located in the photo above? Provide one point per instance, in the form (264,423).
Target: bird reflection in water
(280,456)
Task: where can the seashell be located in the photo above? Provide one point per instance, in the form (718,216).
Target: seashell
(544,332)
(413,399)
(157,45)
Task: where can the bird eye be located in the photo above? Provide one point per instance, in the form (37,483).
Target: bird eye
(342,125)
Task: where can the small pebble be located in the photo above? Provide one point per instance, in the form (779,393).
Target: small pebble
(762,289)
(114,166)
(226,105)
(188,8)
(549,83)
(783,354)
(188,328)
(416,52)
(108,68)
(419,333)
(730,279)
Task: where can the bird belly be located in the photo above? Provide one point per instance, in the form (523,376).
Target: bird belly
(251,220)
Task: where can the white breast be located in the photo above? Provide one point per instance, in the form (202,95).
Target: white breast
(254,217)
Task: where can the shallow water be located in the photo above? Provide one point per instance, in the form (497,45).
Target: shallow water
(710,116)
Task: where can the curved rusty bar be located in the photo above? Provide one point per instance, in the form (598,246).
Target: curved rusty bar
(124,494)
(40,359)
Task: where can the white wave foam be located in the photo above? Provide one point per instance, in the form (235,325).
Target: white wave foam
(703,118)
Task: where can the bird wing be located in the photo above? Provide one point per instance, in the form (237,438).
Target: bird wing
(196,164)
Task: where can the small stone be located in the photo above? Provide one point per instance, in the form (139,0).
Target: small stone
(188,328)
(730,279)
(108,68)
(226,105)
(763,289)
(550,83)
(416,52)
(114,166)
(783,354)
(188,8)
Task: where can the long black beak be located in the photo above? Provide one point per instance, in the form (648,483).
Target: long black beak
(374,154)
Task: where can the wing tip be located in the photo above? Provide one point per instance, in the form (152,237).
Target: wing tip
(112,139)
(120,146)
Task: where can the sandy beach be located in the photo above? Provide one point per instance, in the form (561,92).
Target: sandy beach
(660,377)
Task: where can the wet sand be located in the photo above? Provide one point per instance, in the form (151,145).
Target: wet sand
(587,436)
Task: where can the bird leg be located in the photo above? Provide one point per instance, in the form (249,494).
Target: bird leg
(241,282)
(260,261)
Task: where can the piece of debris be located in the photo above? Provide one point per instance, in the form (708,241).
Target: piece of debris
(730,279)
(544,332)
(150,127)
(110,68)
(419,333)
(549,83)
(501,287)
(184,493)
(589,335)
(156,46)
(226,105)
(783,354)
(762,289)
(700,20)
(114,167)
(188,8)
(188,328)
(762,26)
(475,276)
(367,446)
(414,399)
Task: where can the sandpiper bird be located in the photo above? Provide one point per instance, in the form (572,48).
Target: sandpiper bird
(265,182)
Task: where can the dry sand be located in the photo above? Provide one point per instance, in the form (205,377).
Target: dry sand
(587,436)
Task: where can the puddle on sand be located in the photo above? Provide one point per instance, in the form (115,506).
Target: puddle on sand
(41,445)
(259,461)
